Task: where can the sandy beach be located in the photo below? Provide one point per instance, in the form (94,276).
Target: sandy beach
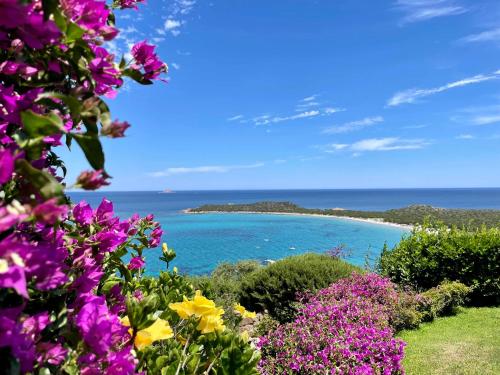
(379,221)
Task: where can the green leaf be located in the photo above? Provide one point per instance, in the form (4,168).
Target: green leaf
(137,76)
(92,149)
(74,32)
(46,184)
(73,103)
(37,125)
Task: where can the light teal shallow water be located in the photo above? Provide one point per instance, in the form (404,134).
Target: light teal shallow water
(204,241)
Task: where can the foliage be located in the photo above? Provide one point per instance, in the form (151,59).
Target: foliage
(444,299)
(434,254)
(223,285)
(416,214)
(69,303)
(468,344)
(275,288)
(343,327)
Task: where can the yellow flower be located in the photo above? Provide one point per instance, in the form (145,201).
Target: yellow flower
(245,336)
(164,247)
(212,322)
(201,307)
(238,309)
(159,330)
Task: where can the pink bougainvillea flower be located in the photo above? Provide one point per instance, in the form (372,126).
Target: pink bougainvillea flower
(82,213)
(6,165)
(92,180)
(130,4)
(136,263)
(50,211)
(116,129)
(146,59)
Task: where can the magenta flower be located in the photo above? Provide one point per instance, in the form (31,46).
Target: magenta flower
(82,213)
(136,263)
(51,353)
(146,59)
(104,72)
(50,211)
(22,69)
(130,4)
(92,180)
(6,165)
(116,129)
(92,15)
(13,103)
(155,237)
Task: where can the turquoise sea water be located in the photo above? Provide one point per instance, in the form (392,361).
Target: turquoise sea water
(203,241)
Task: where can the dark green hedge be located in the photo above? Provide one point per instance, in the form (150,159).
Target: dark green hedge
(432,255)
(274,288)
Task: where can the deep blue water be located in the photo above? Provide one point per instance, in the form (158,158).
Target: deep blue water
(203,241)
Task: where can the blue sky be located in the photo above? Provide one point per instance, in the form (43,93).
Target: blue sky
(311,94)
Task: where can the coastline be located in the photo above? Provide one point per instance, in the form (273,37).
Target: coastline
(378,221)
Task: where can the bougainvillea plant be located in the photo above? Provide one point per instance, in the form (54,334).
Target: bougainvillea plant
(343,329)
(69,303)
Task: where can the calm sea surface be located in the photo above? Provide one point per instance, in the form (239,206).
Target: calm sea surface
(203,241)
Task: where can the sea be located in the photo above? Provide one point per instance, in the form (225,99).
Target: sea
(203,241)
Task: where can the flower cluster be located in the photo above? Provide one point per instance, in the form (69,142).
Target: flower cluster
(342,329)
(74,297)
(209,315)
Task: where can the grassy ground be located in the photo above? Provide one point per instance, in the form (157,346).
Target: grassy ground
(468,343)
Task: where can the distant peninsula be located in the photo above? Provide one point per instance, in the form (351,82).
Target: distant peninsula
(411,215)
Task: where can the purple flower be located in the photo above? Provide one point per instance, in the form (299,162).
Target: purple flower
(6,165)
(116,129)
(146,59)
(92,180)
(104,72)
(92,15)
(13,103)
(155,237)
(100,329)
(50,212)
(130,4)
(104,213)
(51,353)
(21,347)
(136,263)
(82,213)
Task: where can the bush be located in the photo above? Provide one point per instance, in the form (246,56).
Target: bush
(444,299)
(275,288)
(223,285)
(434,254)
(73,295)
(344,328)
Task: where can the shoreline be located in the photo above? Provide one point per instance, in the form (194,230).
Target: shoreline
(378,221)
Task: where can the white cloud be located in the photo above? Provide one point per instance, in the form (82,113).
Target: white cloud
(485,119)
(423,10)
(203,169)
(354,125)
(377,144)
(310,98)
(412,95)
(172,26)
(465,136)
(277,119)
(234,118)
(485,36)
(175,66)
(332,110)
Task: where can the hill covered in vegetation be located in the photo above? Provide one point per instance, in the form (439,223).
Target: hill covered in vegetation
(415,214)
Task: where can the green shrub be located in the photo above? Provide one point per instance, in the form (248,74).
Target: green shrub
(434,254)
(274,288)
(223,285)
(444,299)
